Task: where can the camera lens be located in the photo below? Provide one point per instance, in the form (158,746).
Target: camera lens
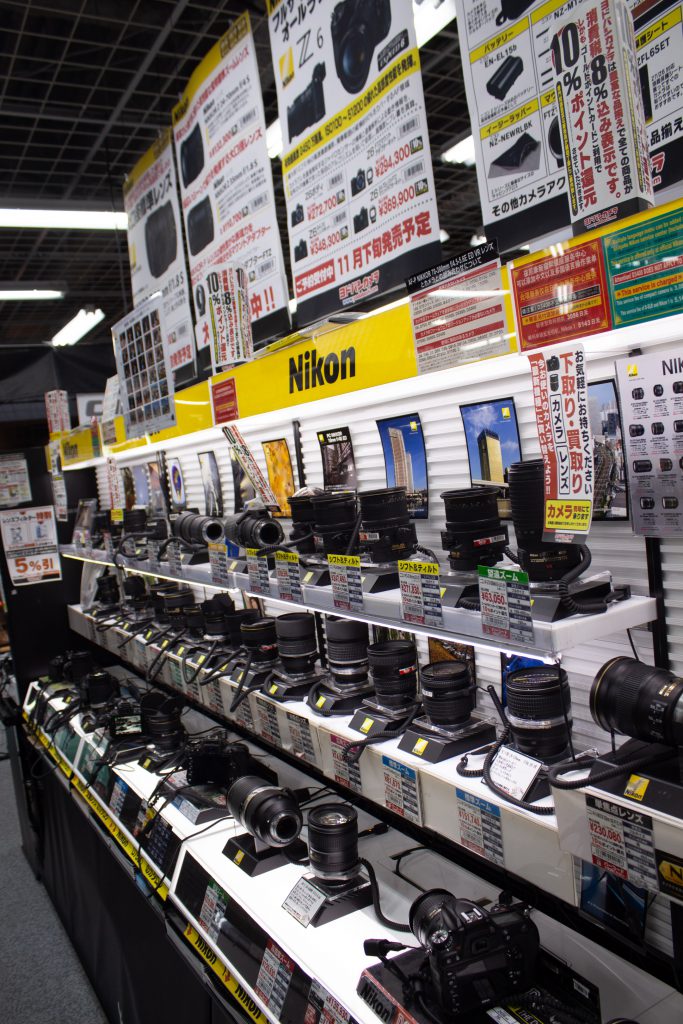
(447,693)
(253,529)
(268,812)
(357,27)
(176,599)
(56,668)
(537,699)
(78,664)
(544,562)
(260,639)
(474,534)
(303,518)
(194,620)
(335,521)
(388,532)
(134,520)
(161,720)
(393,664)
(215,611)
(428,922)
(296,642)
(134,587)
(638,700)
(333,842)
(234,622)
(107,590)
(98,688)
(347,651)
(195,529)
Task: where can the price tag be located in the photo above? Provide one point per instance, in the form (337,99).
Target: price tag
(480,827)
(513,772)
(274,976)
(288,572)
(304,901)
(345,773)
(153,554)
(108,545)
(259,577)
(212,914)
(218,560)
(175,558)
(622,842)
(347,586)
(268,725)
(243,715)
(402,790)
(302,739)
(505,604)
(420,593)
(323,1008)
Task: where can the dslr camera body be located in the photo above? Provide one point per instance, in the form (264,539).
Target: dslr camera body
(309,106)
(300,250)
(217,761)
(361,220)
(358,182)
(297,215)
(357,27)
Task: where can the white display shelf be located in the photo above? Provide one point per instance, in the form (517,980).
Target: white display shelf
(550,639)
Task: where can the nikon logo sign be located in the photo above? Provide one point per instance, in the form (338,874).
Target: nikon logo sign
(309,370)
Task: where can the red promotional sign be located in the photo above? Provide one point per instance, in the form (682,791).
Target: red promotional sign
(224,401)
(561,297)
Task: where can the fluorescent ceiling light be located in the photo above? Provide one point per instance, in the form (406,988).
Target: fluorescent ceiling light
(461,153)
(82,323)
(430,17)
(29,294)
(79,220)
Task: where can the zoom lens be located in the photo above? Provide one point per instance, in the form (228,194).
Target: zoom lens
(107,591)
(537,699)
(335,521)
(269,813)
(176,599)
(333,842)
(254,528)
(98,688)
(347,651)
(303,518)
(393,664)
(260,639)
(387,532)
(447,693)
(638,700)
(474,534)
(296,642)
(544,562)
(192,528)
(134,520)
(432,917)
(161,720)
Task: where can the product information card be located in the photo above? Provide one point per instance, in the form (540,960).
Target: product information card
(29,538)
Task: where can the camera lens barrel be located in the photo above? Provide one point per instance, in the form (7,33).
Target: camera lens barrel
(254,528)
(537,699)
(393,664)
(335,514)
(347,651)
(544,562)
(296,642)
(447,693)
(107,591)
(303,518)
(195,529)
(474,534)
(387,531)
(426,918)
(260,639)
(161,720)
(269,813)
(333,842)
(134,520)
(234,622)
(215,611)
(638,700)
(98,688)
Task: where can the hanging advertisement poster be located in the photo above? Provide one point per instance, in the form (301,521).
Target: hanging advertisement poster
(57,480)
(15,485)
(458,311)
(651,392)
(29,539)
(226,182)
(357,170)
(155,249)
(562,419)
(58,414)
(144,369)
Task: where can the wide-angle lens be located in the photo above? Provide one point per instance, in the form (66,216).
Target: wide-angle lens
(296,642)
(269,813)
(474,534)
(430,918)
(638,700)
(544,562)
(387,531)
(333,842)
(260,639)
(447,693)
(539,711)
(393,664)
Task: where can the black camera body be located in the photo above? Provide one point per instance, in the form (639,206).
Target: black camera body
(218,762)
(309,106)
(297,215)
(357,27)
(361,220)
(476,956)
(300,250)
(358,183)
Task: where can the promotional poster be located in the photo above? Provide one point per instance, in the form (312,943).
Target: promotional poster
(339,465)
(29,539)
(144,368)
(280,474)
(211,482)
(177,485)
(405,460)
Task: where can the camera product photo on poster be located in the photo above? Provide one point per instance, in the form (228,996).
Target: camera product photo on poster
(356,163)
(176,485)
(492,437)
(405,460)
(141,483)
(339,465)
(243,487)
(157,497)
(610,488)
(211,482)
(144,369)
(280,474)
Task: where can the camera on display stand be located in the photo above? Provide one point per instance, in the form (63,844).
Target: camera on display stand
(346,684)
(393,707)
(272,818)
(292,678)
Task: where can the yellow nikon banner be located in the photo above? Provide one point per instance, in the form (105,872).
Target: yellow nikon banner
(79,445)
(221,971)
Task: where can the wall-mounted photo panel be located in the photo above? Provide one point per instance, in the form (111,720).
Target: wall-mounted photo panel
(128,487)
(492,437)
(141,483)
(339,465)
(176,485)
(280,475)
(610,487)
(157,496)
(405,460)
(211,482)
(243,487)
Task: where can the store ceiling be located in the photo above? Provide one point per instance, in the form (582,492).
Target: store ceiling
(87,85)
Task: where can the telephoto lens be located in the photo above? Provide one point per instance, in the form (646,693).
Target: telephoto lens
(269,813)
(474,534)
(393,664)
(347,652)
(638,700)
(447,693)
(296,642)
(253,528)
(194,529)
(544,562)
(333,842)
(97,689)
(134,520)
(336,515)
(387,531)
(161,720)
(107,591)
(260,639)
(539,712)
(216,611)
(303,518)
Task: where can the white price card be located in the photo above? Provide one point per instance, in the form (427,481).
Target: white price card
(480,827)
(259,576)
(513,772)
(402,790)
(274,977)
(288,573)
(304,901)
(29,537)
(622,842)
(302,739)
(152,555)
(346,773)
(218,561)
(175,558)
(347,584)
(212,914)
(268,726)
(420,593)
(323,1008)
(505,604)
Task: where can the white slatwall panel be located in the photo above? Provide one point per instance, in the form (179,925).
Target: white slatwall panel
(672,564)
